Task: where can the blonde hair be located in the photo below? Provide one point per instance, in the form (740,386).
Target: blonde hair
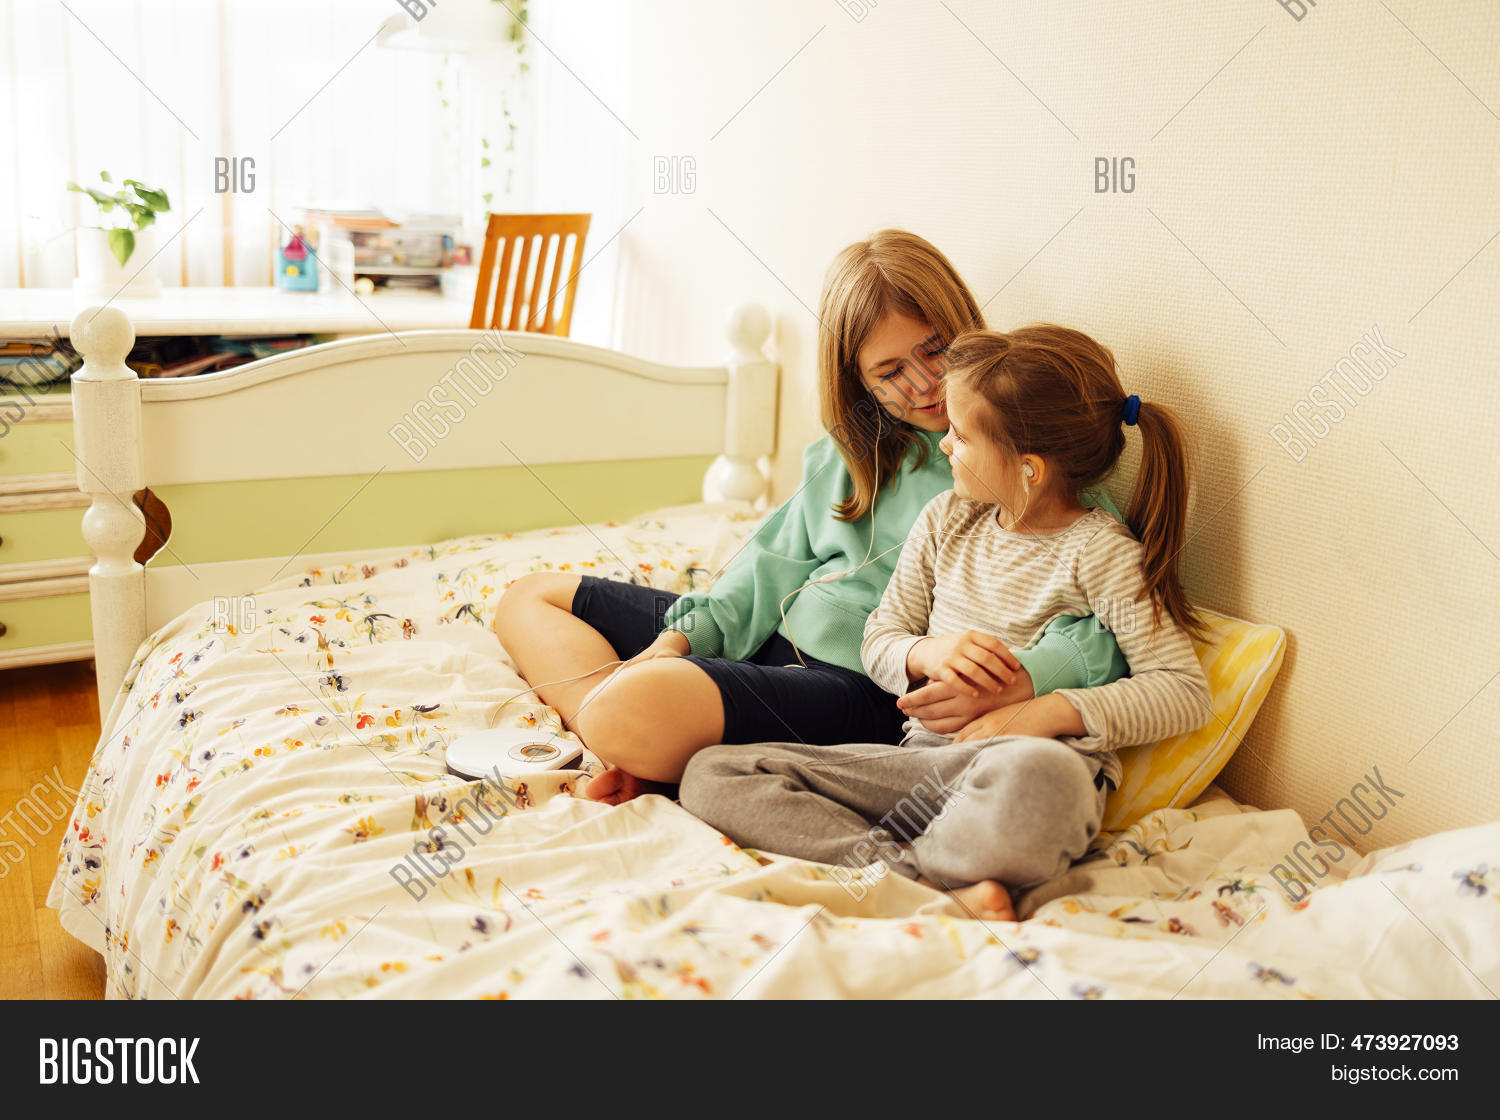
(893,271)
(1053,392)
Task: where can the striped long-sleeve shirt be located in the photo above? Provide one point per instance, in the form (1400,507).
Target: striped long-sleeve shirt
(978,576)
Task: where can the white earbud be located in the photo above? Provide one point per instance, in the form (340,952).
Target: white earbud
(1028,471)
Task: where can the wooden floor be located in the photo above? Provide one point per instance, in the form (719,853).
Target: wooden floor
(49,724)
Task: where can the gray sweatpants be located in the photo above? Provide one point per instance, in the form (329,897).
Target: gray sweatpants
(1012,808)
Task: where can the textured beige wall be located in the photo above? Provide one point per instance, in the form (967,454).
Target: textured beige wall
(1299,185)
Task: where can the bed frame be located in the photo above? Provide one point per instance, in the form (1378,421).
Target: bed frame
(330,419)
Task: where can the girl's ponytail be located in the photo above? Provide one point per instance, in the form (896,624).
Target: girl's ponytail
(1158,509)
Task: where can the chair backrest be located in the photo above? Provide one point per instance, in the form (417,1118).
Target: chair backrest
(517,279)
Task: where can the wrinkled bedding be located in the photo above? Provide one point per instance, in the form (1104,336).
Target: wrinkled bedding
(268,815)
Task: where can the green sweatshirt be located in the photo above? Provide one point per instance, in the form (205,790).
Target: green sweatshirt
(803,540)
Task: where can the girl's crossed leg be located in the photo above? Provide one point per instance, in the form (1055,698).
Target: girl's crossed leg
(982,818)
(651,719)
(623,724)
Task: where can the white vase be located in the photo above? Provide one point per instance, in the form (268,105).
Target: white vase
(102,277)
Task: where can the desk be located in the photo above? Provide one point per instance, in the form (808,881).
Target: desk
(36,312)
(44,607)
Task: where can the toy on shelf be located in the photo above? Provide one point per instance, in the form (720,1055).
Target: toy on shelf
(296,267)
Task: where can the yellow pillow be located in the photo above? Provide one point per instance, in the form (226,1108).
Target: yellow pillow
(1240,660)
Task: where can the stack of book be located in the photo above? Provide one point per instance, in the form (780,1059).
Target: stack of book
(187,355)
(362,243)
(27,363)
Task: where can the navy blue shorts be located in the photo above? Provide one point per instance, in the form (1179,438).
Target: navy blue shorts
(765,701)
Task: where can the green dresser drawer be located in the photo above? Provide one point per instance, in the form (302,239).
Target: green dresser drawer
(35,447)
(50,621)
(31,535)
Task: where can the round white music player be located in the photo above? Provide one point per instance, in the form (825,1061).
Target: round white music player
(509,751)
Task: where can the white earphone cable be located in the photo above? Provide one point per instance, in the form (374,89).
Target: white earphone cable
(563,680)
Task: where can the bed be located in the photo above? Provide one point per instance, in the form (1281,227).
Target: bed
(268,813)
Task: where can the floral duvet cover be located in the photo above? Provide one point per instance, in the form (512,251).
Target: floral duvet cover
(268,815)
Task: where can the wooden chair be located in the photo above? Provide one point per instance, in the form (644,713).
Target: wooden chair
(518,303)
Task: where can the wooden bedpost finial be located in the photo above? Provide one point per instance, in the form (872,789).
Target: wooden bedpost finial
(748,326)
(104,336)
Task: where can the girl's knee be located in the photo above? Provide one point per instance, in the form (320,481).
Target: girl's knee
(554,588)
(615,724)
(526,593)
(1023,769)
(1023,811)
(624,723)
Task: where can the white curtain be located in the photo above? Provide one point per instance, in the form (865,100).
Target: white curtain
(160,90)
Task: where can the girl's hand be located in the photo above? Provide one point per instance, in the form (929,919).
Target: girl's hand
(1004,720)
(943,709)
(1046,717)
(971,661)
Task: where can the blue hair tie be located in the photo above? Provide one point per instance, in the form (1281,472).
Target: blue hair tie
(1132,408)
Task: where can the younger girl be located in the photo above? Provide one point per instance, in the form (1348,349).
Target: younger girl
(1018,793)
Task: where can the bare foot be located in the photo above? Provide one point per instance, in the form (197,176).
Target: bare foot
(988,901)
(615,787)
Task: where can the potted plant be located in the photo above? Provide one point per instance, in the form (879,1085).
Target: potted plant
(104,251)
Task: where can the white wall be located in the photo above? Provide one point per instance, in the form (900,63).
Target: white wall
(1298,184)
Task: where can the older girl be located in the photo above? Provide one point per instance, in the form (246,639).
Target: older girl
(772,649)
(1018,793)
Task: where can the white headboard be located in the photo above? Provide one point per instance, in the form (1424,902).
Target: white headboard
(414,403)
